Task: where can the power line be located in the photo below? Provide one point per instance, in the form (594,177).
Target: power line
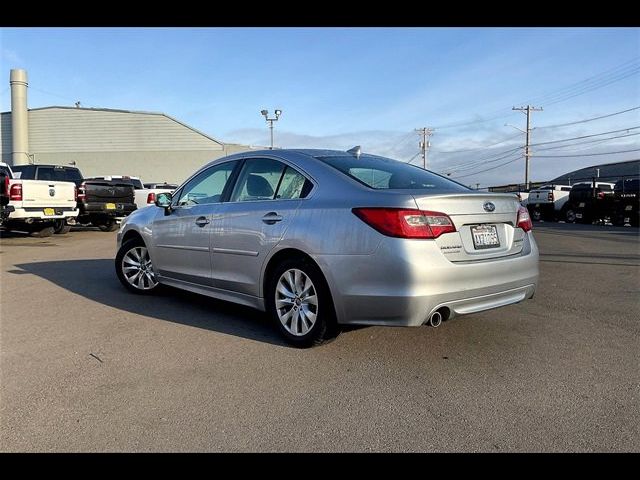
(484,160)
(589,119)
(602,79)
(489,169)
(402,140)
(585,136)
(478,148)
(588,154)
(588,141)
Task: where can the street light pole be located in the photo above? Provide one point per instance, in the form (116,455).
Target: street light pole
(265,114)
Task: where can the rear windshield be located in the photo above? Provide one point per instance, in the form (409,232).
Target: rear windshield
(383,173)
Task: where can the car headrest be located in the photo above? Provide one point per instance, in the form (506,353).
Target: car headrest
(258,186)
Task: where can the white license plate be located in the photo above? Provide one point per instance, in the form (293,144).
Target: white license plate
(628,207)
(578,215)
(581,205)
(485,236)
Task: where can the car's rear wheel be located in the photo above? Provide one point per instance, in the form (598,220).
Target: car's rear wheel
(536,214)
(134,267)
(299,301)
(108,226)
(60,227)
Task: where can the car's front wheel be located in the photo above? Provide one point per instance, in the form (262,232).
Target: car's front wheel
(299,301)
(134,267)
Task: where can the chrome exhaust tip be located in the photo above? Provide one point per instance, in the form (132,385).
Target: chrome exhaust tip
(435,319)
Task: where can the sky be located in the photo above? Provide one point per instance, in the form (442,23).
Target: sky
(341,87)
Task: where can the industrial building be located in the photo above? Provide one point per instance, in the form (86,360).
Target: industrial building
(101,141)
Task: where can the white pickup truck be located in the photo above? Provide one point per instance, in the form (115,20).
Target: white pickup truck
(145,194)
(36,206)
(546,202)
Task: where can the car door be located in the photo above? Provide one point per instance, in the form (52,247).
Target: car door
(261,207)
(181,237)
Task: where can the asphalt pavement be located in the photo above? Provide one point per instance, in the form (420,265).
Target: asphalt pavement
(87,366)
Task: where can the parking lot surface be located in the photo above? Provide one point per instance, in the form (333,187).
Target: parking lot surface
(87,366)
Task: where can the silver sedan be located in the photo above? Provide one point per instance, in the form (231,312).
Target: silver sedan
(319,238)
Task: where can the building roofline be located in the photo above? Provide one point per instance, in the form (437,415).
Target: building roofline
(117,110)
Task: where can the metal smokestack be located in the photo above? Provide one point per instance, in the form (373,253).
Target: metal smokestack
(19,119)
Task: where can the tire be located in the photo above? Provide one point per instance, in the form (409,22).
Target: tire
(109,226)
(297,318)
(536,214)
(42,232)
(60,227)
(569,215)
(127,257)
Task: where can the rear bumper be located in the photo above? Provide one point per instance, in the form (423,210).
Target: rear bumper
(38,214)
(404,281)
(121,210)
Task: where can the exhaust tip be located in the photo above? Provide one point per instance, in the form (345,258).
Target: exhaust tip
(435,320)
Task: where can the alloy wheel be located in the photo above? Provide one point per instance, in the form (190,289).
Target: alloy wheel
(296,302)
(137,269)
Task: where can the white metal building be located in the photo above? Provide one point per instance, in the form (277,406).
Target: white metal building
(152,146)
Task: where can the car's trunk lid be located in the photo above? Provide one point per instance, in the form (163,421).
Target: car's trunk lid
(485,224)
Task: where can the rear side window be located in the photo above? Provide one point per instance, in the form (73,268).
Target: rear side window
(382,173)
(293,185)
(258,180)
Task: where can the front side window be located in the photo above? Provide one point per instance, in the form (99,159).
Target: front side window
(208,186)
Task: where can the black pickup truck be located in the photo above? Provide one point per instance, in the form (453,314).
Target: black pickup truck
(626,202)
(588,202)
(101,203)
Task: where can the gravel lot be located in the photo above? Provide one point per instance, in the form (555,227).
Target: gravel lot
(86,366)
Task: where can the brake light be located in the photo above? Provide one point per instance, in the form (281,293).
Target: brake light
(15,192)
(6,185)
(601,195)
(406,223)
(550,196)
(524,220)
(151,198)
(81,193)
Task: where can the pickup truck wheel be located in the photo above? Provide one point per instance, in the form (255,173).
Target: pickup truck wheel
(109,226)
(60,227)
(570,215)
(536,214)
(42,232)
(134,268)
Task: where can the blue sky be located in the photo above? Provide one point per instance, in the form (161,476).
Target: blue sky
(339,87)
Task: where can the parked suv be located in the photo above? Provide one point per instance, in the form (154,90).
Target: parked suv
(626,202)
(588,202)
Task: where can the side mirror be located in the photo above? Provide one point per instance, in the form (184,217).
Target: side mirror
(163,200)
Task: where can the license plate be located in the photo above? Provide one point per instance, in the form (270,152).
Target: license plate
(485,236)
(110,206)
(578,215)
(628,207)
(581,205)
(49,211)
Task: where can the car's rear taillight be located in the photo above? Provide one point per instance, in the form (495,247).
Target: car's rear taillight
(550,196)
(406,223)
(81,193)
(524,220)
(151,198)
(15,192)
(6,184)
(601,195)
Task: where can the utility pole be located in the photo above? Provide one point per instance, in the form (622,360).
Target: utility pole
(424,143)
(527,149)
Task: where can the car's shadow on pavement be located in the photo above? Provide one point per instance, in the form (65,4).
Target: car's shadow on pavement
(96,280)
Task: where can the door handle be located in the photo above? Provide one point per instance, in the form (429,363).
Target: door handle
(271,218)
(202,221)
